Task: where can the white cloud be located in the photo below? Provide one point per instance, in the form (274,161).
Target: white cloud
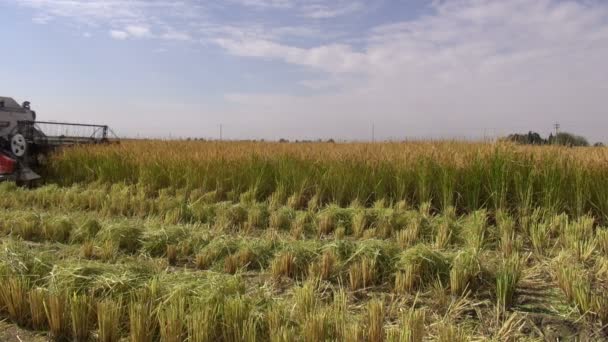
(176,35)
(42,19)
(480,61)
(324,11)
(330,58)
(137,31)
(266,3)
(120,35)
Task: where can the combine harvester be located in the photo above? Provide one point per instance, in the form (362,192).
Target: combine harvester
(25,142)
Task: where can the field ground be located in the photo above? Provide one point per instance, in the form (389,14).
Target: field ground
(310,242)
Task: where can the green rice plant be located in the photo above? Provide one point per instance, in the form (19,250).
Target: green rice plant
(474,229)
(36,300)
(100,279)
(230,217)
(359,223)
(413,329)
(313,203)
(87,250)
(278,197)
(202,322)
(581,289)
(325,268)
(326,222)
(539,237)
(402,205)
(18,258)
(143,325)
(566,276)
(276,318)
(339,312)
(450,333)
(507,234)
(216,250)
(305,301)
(86,231)
(354,332)
(172,320)
(362,273)
(601,237)
(257,217)
(447,182)
(386,223)
(582,191)
(375,320)
(294,259)
(575,283)
(81,311)
(231,264)
(248,197)
(281,218)
(406,280)
(523,182)
(579,237)
(599,303)
(443,235)
(465,268)
(57,315)
(108,251)
(109,317)
(419,265)
(425,209)
(171,254)
(125,236)
(58,229)
(574,231)
(410,235)
(14,298)
(507,279)
(155,240)
(340,233)
(238,322)
(284,264)
(316,327)
(371,233)
(296,200)
(300,225)
(28,227)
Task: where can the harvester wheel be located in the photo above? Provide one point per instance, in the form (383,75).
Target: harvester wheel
(18,145)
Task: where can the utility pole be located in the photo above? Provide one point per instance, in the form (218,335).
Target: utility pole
(221,132)
(556,126)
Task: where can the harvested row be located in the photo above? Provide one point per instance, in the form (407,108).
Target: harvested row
(446,261)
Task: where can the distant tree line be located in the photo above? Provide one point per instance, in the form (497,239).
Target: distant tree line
(562,138)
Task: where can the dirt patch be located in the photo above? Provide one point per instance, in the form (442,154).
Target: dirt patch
(553,329)
(12,333)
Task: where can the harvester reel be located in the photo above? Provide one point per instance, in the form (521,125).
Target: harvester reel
(18,145)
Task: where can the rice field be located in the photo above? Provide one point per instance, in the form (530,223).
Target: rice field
(249,241)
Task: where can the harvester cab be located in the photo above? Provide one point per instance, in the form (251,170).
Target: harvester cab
(25,142)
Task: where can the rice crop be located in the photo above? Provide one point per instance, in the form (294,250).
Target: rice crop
(249,241)
(468,176)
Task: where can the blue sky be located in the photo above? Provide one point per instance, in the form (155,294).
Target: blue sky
(311,69)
